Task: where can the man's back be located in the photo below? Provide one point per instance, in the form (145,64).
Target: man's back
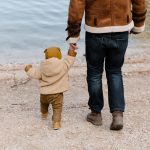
(102,13)
(106,16)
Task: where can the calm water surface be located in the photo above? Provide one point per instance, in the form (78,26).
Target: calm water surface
(28,27)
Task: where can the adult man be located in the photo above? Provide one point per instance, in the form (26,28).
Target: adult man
(107,25)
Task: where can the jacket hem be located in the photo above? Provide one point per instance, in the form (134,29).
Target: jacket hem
(73,40)
(44,91)
(109,29)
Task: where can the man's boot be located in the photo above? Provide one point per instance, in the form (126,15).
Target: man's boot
(117,120)
(95,118)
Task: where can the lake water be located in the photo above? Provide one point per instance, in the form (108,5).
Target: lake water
(28,27)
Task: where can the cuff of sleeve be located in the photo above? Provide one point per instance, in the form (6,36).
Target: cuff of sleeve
(70,58)
(29,72)
(138,29)
(73,40)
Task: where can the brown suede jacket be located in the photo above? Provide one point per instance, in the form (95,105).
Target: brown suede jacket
(105,16)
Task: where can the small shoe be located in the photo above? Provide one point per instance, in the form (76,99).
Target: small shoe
(117,121)
(44,115)
(94,118)
(56,125)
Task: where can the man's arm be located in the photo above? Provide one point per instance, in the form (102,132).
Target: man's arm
(75,15)
(138,15)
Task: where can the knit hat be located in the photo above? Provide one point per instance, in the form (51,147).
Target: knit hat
(53,52)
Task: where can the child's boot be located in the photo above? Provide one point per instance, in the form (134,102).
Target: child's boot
(56,125)
(56,118)
(44,115)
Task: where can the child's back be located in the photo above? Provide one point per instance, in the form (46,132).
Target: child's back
(52,74)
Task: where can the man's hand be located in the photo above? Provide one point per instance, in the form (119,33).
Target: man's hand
(73,46)
(27,68)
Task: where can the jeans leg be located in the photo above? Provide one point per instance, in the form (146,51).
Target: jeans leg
(113,66)
(95,57)
(94,80)
(115,91)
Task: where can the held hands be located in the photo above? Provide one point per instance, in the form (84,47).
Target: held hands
(73,46)
(27,68)
(72,50)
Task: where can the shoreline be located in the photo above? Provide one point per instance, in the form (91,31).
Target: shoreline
(133,63)
(137,46)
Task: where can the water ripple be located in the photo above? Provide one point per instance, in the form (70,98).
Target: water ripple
(28,26)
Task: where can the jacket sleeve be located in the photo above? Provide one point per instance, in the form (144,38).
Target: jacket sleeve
(34,73)
(75,15)
(68,62)
(139,15)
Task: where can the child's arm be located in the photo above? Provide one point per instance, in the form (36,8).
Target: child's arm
(69,60)
(33,72)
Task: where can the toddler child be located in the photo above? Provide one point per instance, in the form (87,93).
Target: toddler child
(52,74)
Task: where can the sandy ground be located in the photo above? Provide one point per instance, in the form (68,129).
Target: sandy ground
(21,127)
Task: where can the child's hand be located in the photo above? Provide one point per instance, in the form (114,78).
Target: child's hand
(72,53)
(27,68)
(72,50)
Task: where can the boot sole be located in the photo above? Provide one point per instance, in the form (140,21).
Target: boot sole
(56,128)
(93,122)
(117,127)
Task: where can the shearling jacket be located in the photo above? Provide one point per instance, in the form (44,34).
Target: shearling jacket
(105,16)
(53,75)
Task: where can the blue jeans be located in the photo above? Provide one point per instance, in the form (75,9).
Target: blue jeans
(108,49)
